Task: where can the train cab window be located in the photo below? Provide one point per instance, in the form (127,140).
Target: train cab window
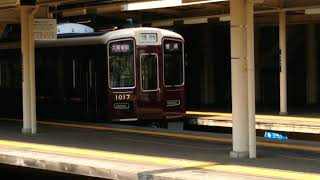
(173,63)
(149,72)
(121,64)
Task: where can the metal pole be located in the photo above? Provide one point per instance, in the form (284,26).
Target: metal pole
(251,79)
(283,63)
(239,80)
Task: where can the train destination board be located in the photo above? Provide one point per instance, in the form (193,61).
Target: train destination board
(148,37)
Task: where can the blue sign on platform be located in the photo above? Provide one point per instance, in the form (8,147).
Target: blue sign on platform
(274,135)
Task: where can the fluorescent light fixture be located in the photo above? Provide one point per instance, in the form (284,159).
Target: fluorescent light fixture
(163,4)
(312,11)
(196,21)
(162,24)
(151,5)
(224,18)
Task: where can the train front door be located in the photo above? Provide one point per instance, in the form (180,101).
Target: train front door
(150,90)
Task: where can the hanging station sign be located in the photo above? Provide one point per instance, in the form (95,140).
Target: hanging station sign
(45,29)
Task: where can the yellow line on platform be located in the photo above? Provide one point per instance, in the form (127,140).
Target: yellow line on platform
(267,117)
(155,133)
(177,135)
(182,136)
(181,163)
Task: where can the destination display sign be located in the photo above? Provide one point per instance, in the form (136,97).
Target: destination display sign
(148,38)
(172,46)
(120,48)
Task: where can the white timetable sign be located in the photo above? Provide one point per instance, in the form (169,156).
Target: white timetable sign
(45,29)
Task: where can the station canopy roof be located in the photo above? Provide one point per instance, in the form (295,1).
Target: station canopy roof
(164,12)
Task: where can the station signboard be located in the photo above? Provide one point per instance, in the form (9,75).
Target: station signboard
(45,29)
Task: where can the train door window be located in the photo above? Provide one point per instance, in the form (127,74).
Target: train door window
(77,71)
(74,73)
(173,63)
(149,72)
(90,73)
(121,64)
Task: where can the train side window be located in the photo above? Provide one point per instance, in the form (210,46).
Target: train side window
(173,63)
(149,72)
(121,64)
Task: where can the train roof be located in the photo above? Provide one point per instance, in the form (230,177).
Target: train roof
(104,38)
(98,37)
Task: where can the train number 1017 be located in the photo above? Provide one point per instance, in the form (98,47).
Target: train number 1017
(122,97)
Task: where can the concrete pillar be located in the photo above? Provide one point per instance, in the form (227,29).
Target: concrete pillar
(251,78)
(312,65)
(283,63)
(208,72)
(28,64)
(239,79)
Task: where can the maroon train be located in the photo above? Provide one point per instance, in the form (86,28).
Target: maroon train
(127,75)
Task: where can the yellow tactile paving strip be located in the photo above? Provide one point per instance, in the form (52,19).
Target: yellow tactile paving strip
(176,135)
(268,117)
(211,166)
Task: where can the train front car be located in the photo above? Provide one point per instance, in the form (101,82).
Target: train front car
(146,74)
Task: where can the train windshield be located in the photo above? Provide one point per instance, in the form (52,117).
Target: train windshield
(121,64)
(149,72)
(173,63)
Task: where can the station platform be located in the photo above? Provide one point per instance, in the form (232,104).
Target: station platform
(127,152)
(299,123)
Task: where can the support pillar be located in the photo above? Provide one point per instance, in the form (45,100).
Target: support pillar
(28,68)
(251,78)
(312,65)
(239,79)
(283,63)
